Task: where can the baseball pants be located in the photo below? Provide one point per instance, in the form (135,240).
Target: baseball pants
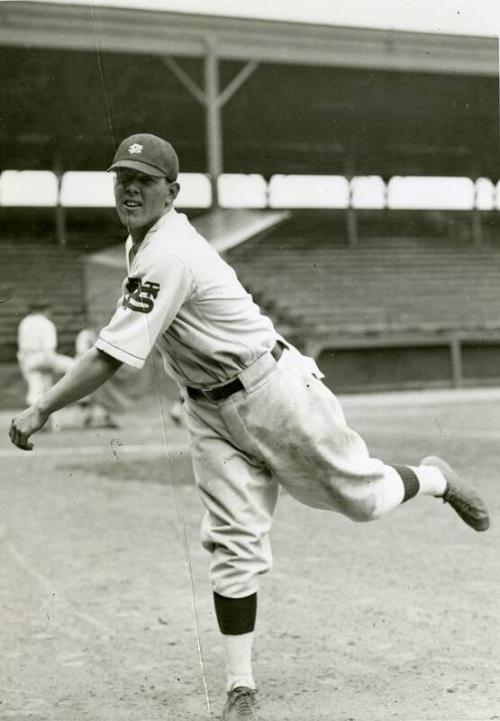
(38,370)
(285,429)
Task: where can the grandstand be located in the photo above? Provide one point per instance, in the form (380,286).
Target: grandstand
(390,291)
(382,298)
(29,272)
(394,310)
(52,276)
(385,283)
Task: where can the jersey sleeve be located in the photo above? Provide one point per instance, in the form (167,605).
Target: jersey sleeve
(151,297)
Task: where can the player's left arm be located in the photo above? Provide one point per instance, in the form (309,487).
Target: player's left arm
(87,374)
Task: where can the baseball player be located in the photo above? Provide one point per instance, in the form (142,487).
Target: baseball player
(96,409)
(37,352)
(258,413)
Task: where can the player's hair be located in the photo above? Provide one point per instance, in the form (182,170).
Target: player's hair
(38,306)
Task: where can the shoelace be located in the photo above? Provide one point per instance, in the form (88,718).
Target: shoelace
(458,501)
(243,702)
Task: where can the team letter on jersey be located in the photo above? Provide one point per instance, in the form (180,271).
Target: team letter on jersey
(140,296)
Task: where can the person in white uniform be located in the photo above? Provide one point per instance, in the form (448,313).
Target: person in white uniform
(37,352)
(258,413)
(96,409)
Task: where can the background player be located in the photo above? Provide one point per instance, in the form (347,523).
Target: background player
(96,409)
(257,411)
(37,353)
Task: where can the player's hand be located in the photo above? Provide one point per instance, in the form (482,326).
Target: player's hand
(24,425)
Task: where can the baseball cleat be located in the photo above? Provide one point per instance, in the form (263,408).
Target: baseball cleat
(240,705)
(464,499)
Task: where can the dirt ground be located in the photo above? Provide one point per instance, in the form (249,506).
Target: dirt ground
(106,610)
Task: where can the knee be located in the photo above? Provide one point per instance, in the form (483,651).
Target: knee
(237,576)
(236,562)
(362,510)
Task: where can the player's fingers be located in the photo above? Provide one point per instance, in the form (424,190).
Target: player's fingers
(16,438)
(19,438)
(24,444)
(12,432)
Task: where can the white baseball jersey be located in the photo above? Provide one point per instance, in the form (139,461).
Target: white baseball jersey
(37,356)
(183,298)
(283,427)
(36,333)
(85,339)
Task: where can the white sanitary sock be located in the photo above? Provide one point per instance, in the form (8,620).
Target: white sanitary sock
(238,650)
(431,480)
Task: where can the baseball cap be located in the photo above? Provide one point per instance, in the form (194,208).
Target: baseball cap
(149,154)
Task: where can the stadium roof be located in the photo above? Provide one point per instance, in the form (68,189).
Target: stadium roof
(308,98)
(136,30)
(465,17)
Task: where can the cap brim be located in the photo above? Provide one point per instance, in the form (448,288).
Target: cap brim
(137,165)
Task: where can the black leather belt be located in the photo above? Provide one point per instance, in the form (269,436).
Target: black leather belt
(221,392)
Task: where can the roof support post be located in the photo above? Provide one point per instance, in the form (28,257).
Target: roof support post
(477,228)
(213,100)
(185,79)
(213,121)
(352,226)
(60,211)
(236,83)
(477,224)
(456,362)
(351,215)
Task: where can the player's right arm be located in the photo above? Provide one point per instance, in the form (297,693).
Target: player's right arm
(161,283)
(88,373)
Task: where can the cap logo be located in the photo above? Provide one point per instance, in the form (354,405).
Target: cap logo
(135,149)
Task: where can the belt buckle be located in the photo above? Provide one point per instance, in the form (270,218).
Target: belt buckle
(207,394)
(217,393)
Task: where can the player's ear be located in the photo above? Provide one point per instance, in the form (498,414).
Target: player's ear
(173,191)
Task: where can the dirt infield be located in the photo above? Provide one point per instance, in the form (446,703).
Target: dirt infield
(105,603)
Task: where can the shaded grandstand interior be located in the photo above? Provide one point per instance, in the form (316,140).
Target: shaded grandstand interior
(33,272)
(35,267)
(382,313)
(413,304)
(86,229)
(67,109)
(410,271)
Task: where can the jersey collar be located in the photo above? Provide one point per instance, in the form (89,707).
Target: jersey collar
(162,220)
(133,248)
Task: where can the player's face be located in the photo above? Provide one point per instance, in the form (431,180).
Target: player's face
(142,199)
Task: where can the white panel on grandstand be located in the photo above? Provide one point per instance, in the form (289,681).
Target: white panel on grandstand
(485,194)
(95,189)
(242,191)
(308,191)
(28,188)
(38,188)
(368,191)
(435,193)
(195,191)
(87,190)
